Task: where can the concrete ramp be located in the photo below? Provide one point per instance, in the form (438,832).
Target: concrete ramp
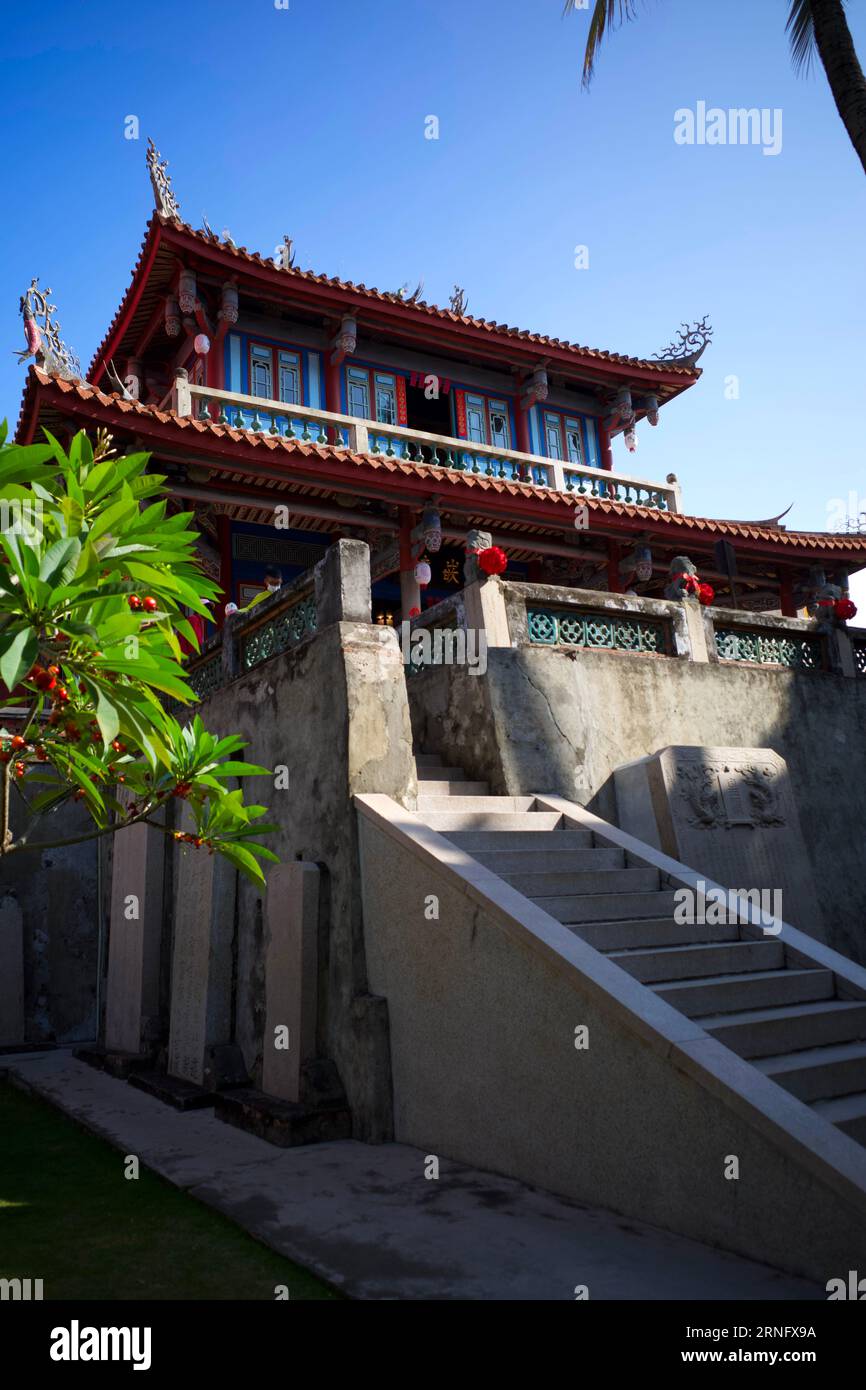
(551,1020)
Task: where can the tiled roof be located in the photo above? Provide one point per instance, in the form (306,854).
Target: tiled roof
(40,383)
(241,254)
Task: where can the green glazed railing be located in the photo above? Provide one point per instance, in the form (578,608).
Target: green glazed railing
(279,633)
(597,631)
(858,646)
(207,677)
(798,653)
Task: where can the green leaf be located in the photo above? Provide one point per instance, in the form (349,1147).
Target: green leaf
(60,561)
(106,717)
(17,657)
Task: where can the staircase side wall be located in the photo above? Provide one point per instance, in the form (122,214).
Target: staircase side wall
(558,721)
(483,1026)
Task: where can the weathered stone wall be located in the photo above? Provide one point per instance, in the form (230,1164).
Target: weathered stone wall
(548,719)
(333,712)
(55,893)
(328,718)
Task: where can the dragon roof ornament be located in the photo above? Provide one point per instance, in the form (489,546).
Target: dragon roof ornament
(42,334)
(688,345)
(163,193)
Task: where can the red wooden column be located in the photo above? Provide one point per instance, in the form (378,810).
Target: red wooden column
(410,590)
(521,421)
(786,594)
(604,449)
(224,535)
(614,579)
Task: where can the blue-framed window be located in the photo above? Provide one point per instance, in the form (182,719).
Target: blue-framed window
(261,371)
(289,370)
(487,421)
(273,365)
(364,385)
(564,437)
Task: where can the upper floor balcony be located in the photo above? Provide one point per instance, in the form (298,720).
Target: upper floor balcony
(307,424)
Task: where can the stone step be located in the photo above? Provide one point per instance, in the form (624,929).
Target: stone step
(428,759)
(543,860)
(437,772)
(608,907)
(847,1113)
(762,989)
(476,841)
(649,932)
(764,1032)
(818,1073)
(444,821)
(557,885)
(669,963)
(430,805)
(442,788)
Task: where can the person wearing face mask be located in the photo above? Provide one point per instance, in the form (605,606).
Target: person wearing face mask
(273,580)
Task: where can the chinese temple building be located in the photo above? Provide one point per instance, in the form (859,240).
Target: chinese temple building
(483,843)
(290,410)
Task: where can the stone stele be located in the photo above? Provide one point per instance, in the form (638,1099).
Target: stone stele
(728,813)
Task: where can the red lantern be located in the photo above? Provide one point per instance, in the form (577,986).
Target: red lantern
(706,594)
(493,560)
(844,609)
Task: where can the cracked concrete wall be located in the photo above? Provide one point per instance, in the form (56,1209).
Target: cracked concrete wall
(333,712)
(546,719)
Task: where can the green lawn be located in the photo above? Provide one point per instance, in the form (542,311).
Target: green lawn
(69,1217)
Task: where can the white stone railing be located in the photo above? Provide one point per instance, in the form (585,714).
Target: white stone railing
(254,414)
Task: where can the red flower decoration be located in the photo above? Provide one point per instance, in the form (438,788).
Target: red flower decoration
(844,609)
(493,560)
(414,612)
(706,594)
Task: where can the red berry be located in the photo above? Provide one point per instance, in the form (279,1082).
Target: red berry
(18,742)
(182,790)
(62,695)
(5,757)
(134,602)
(151,604)
(45,681)
(72,733)
(41,755)
(19,769)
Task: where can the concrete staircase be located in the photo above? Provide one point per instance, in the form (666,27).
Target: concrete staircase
(784,1015)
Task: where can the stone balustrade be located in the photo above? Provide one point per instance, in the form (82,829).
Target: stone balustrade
(337,589)
(254,415)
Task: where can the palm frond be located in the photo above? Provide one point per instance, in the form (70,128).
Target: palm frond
(801,33)
(605,13)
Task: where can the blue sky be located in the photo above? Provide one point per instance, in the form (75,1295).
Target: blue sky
(310,120)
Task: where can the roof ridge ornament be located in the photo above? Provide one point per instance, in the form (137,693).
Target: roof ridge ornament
(405,297)
(160,179)
(284,254)
(43,339)
(688,345)
(459,302)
